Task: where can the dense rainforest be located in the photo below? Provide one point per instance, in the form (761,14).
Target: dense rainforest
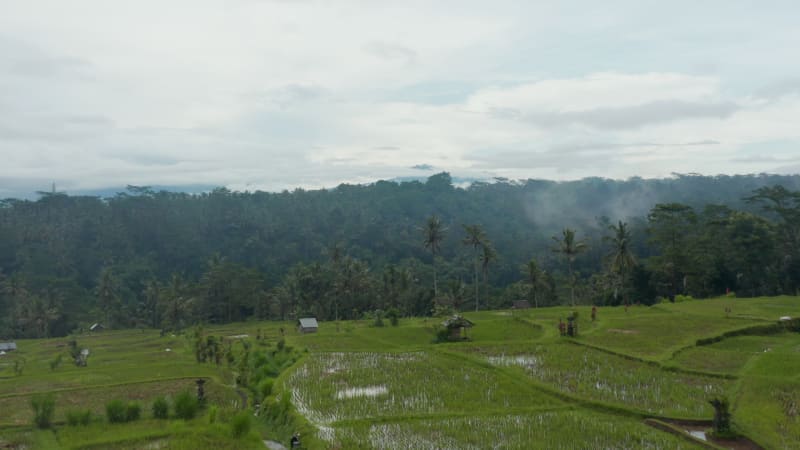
(167,260)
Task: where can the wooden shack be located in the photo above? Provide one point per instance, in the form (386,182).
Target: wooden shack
(307,325)
(457,326)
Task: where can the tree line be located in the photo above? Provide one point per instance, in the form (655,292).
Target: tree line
(145,258)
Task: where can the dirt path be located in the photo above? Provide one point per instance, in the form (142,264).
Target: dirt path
(272,445)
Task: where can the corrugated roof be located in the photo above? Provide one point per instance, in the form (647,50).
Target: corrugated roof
(309,322)
(5,346)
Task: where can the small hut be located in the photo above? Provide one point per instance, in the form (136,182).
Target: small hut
(521,304)
(307,325)
(457,326)
(97,327)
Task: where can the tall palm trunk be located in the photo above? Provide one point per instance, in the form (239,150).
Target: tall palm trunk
(475,278)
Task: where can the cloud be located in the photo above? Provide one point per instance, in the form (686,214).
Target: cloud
(426,167)
(278,94)
(389,51)
(633,116)
(780,89)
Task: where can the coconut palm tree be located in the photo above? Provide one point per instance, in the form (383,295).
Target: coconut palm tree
(569,248)
(535,278)
(488,255)
(621,259)
(433,234)
(475,238)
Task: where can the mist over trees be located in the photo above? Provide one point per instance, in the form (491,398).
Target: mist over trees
(168,260)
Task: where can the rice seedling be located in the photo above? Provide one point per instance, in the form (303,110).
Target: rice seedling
(331,387)
(601,376)
(546,430)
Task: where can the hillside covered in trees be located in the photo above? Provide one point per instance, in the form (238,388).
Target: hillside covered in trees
(167,260)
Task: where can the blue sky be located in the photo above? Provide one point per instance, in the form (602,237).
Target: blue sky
(258,94)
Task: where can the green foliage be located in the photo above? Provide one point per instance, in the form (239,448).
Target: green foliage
(722,416)
(55,362)
(241,424)
(377,316)
(394,316)
(133,411)
(160,408)
(19,366)
(216,272)
(186,405)
(213,412)
(78,417)
(44,406)
(116,411)
(265,387)
(683,298)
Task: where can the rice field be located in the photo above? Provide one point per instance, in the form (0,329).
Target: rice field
(333,387)
(567,430)
(609,378)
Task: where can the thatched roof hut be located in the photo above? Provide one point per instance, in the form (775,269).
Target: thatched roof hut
(457,326)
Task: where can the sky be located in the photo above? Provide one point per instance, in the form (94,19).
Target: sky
(279,94)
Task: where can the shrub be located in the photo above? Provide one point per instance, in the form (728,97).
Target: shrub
(133,411)
(722,417)
(116,411)
(186,406)
(265,387)
(394,316)
(55,362)
(78,417)
(43,408)
(212,414)
(160,408)
(240,425)
(378,318)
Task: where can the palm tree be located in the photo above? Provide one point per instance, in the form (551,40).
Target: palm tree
(569,249)
(535,278)
(488,255)
(621,259)
(107,294)
(433,233)
(475,237)
(39,315)
(151,296)
(177,303)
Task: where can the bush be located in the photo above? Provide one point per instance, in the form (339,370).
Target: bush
(186,406)
(44,407)
(116,411)
(378,318)
(160,408)
(240,425)
(133,411)
(265,387)
(55,362)
(78,417)
(212,414)
(394,316)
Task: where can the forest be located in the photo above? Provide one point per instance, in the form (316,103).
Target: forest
(160,259)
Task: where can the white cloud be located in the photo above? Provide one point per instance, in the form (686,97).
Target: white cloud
(278,94)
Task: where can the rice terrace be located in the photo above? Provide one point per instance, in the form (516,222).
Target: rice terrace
(641,377)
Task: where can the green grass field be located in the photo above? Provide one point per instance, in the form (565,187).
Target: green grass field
(515,383)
